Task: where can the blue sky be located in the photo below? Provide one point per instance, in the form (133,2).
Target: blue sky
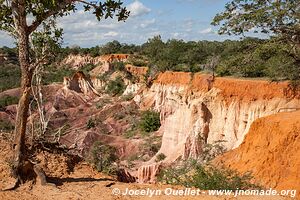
(179,19)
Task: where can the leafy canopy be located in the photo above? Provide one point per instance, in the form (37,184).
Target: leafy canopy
(40,10)
(279,17)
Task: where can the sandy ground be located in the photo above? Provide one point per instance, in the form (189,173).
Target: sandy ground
(85,183)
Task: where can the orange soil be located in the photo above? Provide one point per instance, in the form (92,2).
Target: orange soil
(174,78)
(242,89)
(83,182)
(137,71)
(111,57)
(270,151)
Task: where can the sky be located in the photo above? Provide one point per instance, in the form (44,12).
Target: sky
(172,19)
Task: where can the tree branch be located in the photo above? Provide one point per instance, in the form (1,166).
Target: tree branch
(48,14)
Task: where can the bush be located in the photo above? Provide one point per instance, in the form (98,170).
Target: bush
(91,123)
(150,121)
(160,157)
(52,74)
(139,63)
(87,68)
(6,126)
(103,77)
(8,100)
(128,97)
(10,75)
(210,151)
(192,174)
(102,157)
(118,66)
(116,87)
(129,134)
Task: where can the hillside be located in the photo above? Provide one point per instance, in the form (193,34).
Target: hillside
(270,151)
(194,110)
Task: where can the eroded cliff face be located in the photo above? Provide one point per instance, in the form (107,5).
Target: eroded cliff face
(103,62)
(270,152)
(198,110)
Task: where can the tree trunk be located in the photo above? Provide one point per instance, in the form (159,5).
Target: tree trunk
(23,106)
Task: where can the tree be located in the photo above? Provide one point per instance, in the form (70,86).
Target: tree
(278,17)
(14,20)
(102,156)
(150,121)
(111,47)
(212,64)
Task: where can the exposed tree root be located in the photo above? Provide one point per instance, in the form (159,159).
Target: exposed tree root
(29,171)
(12,186)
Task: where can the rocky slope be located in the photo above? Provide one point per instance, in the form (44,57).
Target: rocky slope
(103,62)
(270,151)
(195,110)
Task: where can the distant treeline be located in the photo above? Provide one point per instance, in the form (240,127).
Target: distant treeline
(250,57)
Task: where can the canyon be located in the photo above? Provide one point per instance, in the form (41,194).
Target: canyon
(196,110)
(248,117)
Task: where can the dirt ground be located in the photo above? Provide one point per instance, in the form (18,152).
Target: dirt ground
(85,183)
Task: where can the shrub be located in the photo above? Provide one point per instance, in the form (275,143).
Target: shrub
(102,157)
(139,63)
(150,121)
(91,123)
(102,102)
(103,77)
(129,134)
(160,157)
(210,151)
(6,126)
(192,174)
(53,74)
(118,66)
(128,97)
(87,68)
(116,87)
(8,100)
(9,76)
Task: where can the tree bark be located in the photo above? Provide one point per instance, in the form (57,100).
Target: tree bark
(27,72)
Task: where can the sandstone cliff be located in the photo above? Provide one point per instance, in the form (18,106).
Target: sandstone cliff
(103,62)
(270,151)
(196,110)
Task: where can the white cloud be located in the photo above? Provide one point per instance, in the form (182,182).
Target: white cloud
(111,34)
(146,23)
(137,9)
(206,31)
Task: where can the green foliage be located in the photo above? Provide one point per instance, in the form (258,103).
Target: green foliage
(103,77)
(210,151)
(118,66)
(9,76)
(102,102)
(87,68)
(110,48)
(91,123)
(150,121)
(45,9)
(280,18)
(277,17)
(8,100)
(129,134)
(116,87)
(53,74)
(102,157)
(160,157)
(192,174)
(6,126)
(127,97)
